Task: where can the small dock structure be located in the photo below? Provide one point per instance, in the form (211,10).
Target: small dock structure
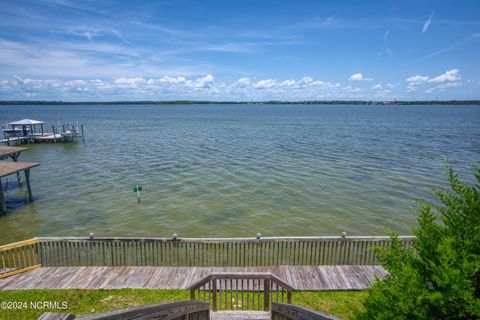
(14,167)
(33,131)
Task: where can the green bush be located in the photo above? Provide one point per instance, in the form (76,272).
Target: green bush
(439,277)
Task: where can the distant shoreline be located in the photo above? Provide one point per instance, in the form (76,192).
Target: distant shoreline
(192,102)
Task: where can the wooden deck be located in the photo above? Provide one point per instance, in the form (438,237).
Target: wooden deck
(12,152)
(7,168)
(299,277)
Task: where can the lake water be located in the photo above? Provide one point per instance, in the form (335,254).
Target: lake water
(235,170)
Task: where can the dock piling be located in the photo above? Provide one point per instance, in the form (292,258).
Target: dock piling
(3,204)
(27,180)
(83,135)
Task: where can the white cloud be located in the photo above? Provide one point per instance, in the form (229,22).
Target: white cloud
(385,35)
(203,82)
(168,79)
(288,83)
(359,77)
(243,81)
(130,83)
(206,87)
(356,77)
(427,23)
(443,87)
(450,75)
(264,84)
(417,79)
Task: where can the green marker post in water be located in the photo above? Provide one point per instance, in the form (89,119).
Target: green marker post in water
(137,189)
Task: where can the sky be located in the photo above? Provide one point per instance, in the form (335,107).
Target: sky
(239,50)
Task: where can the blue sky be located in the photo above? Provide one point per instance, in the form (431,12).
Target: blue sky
(239,50)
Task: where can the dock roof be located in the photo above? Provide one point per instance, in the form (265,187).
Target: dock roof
(8,167)
(24,122)
(6,151)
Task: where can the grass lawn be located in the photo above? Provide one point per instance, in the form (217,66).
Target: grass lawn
(81,302)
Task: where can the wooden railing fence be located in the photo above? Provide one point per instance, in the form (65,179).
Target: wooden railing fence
(282,311)
(241,291)
(178,310)
(18,257)
(211,252)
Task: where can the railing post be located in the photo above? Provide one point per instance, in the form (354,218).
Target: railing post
(266,294)
(214,294)
(289,296)
(192,294)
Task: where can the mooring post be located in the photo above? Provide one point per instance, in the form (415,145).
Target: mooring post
(3,204)
(83,135)
(27,180)
(54,135)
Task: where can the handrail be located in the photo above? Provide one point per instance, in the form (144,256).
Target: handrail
(252,239)
(177,310)
(239,275)
(283,311)
(18,257)
(211,252)
(227,290)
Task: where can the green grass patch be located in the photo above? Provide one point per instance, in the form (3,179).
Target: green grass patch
(81,302)
(341,304)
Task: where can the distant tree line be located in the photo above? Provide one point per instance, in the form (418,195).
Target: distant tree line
(309,102)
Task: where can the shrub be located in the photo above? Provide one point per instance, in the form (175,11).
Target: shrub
(439,277)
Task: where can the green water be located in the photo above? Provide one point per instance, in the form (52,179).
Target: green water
(235,170)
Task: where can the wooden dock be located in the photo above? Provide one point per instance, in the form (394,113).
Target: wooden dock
(8,168)
(341,277)
(11,152)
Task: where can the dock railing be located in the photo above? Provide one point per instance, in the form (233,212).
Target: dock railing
(211,252)
(18,257)
(241,291)
(282,311)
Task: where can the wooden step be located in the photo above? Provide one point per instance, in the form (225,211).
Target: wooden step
(240,315)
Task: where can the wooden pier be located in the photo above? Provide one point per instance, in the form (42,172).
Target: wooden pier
(8,168)
(11,152)
(15,167)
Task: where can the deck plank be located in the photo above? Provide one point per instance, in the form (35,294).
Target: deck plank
(240,315)
(299,277)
